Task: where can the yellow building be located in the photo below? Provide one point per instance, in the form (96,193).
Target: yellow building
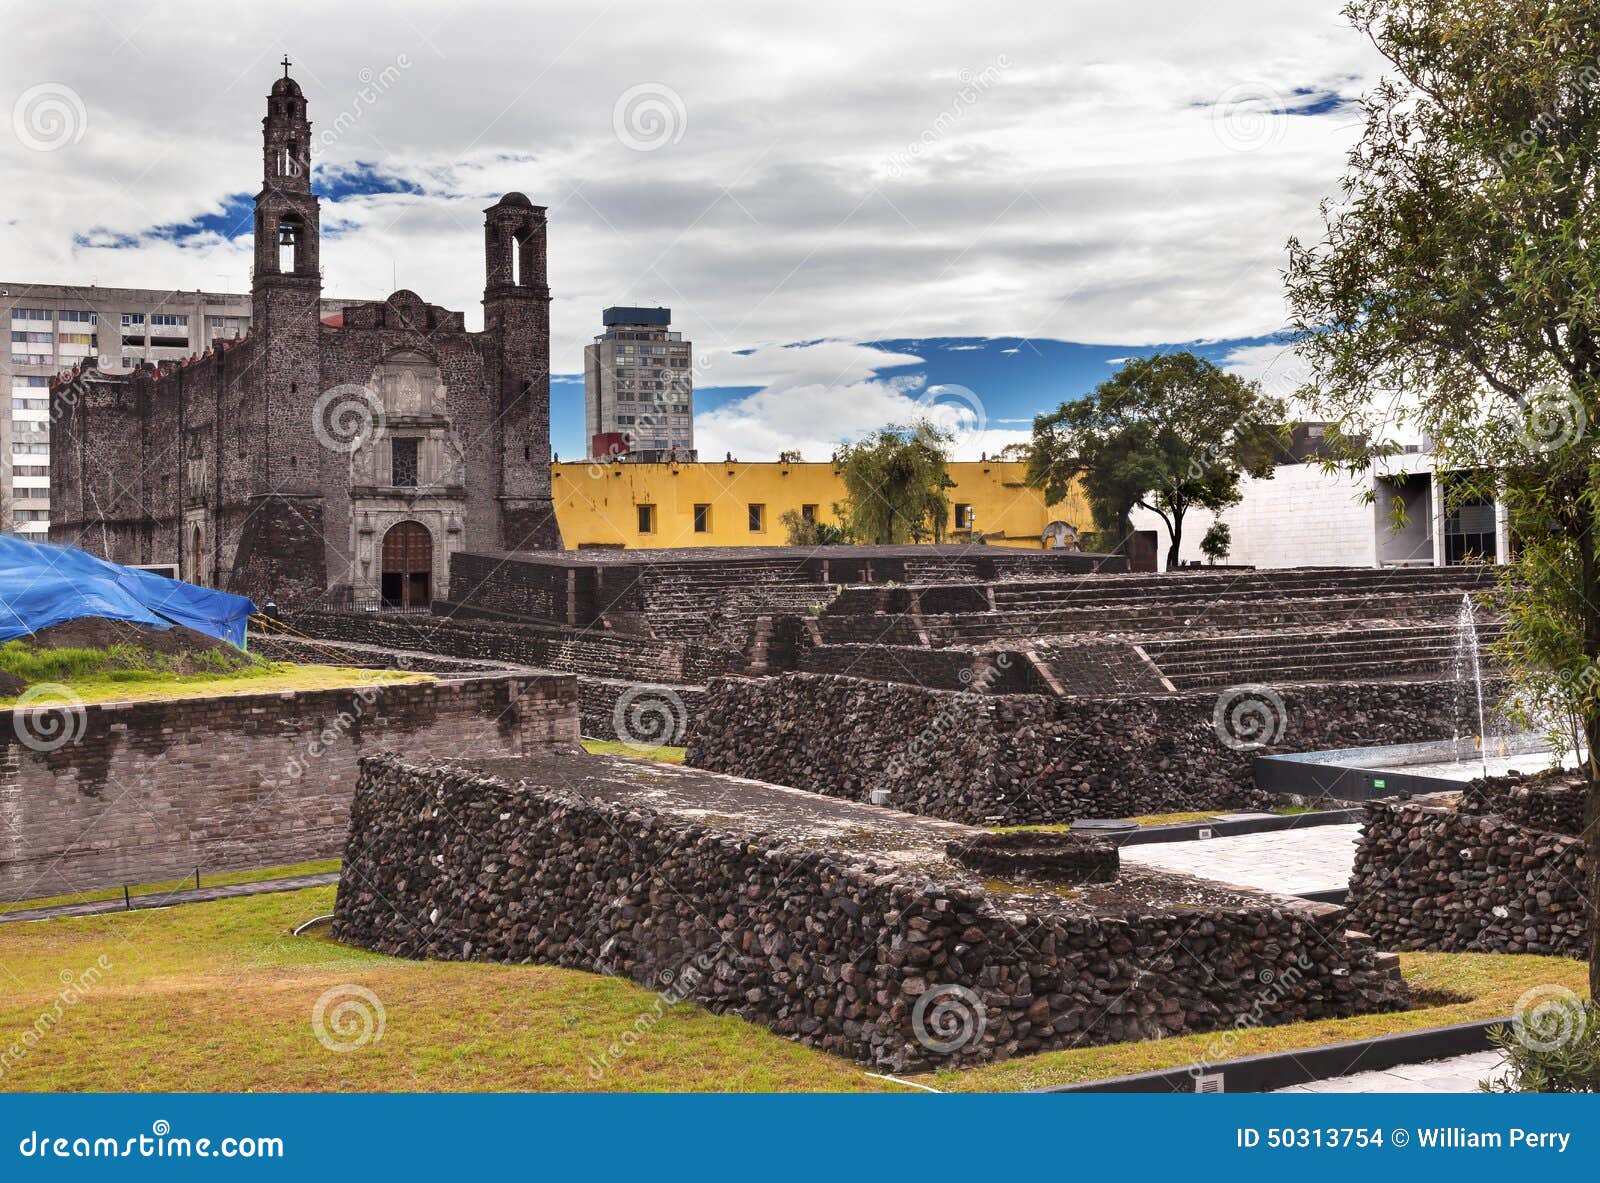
(646,506)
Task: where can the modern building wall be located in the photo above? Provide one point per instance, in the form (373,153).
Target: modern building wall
(1304,516)
(61,326)
(638,383)
(599,504)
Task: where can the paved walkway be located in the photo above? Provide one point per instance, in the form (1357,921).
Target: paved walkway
(1317,858)
(1459,1074)
(168,899)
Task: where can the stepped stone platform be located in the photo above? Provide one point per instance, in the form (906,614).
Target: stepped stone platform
(843,925)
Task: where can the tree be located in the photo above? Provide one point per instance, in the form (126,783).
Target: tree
(894,481)
(804,531)
(1217,542)
(1454,290)
(1165,433)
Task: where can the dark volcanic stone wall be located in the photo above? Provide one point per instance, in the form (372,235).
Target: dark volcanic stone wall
(831,948)
(1025,759)
(1431,878)
(1548,801)
(580,651)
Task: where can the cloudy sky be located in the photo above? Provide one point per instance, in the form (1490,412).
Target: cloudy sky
(852,209)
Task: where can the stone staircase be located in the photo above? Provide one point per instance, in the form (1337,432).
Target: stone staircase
(722,601)
(1367,654)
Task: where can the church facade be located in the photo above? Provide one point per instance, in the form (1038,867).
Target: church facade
(322,458)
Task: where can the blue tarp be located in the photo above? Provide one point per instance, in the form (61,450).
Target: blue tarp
(41,585)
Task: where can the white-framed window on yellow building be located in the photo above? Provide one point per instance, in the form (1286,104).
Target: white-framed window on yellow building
(702,519)
(758,517)
(647,519)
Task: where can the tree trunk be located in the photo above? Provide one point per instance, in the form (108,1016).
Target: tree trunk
(1173,561)
(1589,589)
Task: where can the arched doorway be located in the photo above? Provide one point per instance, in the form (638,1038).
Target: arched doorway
(407,566)
(197,555)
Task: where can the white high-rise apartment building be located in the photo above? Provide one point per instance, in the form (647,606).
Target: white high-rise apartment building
(55,327)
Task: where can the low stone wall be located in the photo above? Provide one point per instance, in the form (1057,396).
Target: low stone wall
(578,651)
(1427,877)
(1553,801)
(691,885)
(102,795)
(1026,759)
(640,713)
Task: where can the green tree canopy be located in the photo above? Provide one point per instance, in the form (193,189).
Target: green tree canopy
(895,481)
(1456,291)
(1166,433)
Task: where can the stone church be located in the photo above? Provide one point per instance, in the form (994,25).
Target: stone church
(337,458)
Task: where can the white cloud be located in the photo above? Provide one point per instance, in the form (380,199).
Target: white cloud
(1087,191)
(818,395)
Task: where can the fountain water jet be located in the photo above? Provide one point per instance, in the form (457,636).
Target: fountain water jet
(1469,662)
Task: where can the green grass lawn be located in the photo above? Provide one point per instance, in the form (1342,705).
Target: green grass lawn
(262,678)
(666,753)
(219,996)
(220,879)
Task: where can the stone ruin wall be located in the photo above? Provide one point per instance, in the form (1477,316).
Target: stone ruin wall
(830,948)
(1027,759)
(1429,877)
(143,792)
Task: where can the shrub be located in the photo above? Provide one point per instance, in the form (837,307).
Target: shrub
(1552,1047)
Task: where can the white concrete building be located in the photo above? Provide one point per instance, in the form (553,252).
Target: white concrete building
(1306,517)
(57,326)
